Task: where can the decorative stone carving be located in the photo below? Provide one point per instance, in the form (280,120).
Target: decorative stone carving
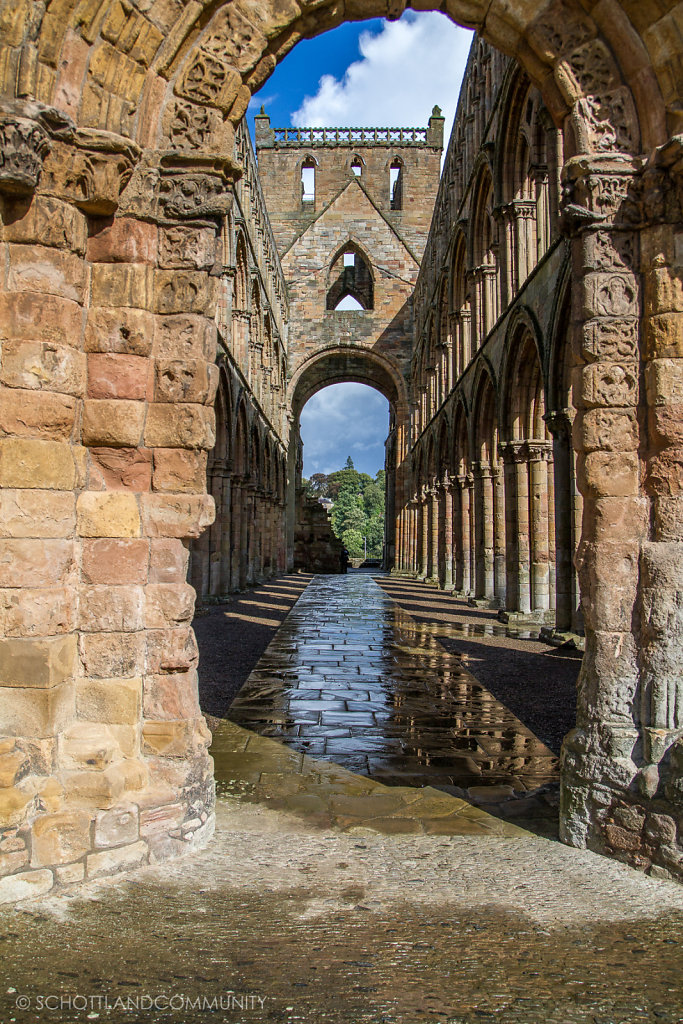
(611,339)
(190,126)
(208,80)
(178,187)
(95,170)
(26,129)
(598,190)
(606,122)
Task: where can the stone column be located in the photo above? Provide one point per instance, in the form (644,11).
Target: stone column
(466,337)
(465,482)
(511,532)
(523,528)
(603,766)
(525,238)
(448,582)
(499,570)
(433,567)
(538,521)
(424,534)
(559,424)
(484,520)
(236,513)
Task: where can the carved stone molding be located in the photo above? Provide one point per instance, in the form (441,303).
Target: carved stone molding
(598,191)
(173,186)
(26,131)
(92,170)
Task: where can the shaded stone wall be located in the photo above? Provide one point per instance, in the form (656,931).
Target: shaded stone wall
(316,549)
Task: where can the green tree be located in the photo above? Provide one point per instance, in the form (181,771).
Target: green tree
(348,514)
(353,541)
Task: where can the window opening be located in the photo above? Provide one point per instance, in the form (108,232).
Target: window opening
(349,259)
(308,182)
(357,167)
(350,283)
(396,185)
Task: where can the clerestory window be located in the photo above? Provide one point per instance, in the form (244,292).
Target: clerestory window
(308,181)
(396,185)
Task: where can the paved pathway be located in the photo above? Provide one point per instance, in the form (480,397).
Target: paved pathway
(352,678)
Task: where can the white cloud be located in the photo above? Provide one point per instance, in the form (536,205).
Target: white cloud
(405,69)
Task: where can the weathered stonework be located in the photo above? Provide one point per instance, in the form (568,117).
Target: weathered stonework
(136,260)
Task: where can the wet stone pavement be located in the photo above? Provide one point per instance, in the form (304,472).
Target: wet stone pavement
(352,678)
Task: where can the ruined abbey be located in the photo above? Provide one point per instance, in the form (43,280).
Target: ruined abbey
(169,303)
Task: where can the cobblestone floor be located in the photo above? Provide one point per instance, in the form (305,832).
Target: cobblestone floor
(353,678)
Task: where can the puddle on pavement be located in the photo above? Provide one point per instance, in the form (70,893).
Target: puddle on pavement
(352,678)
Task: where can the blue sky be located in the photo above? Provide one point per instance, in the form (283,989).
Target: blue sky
(364,74)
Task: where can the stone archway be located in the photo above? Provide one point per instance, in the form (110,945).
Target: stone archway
(118,159)
(343,364)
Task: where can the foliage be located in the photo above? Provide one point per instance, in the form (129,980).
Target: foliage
(358,510)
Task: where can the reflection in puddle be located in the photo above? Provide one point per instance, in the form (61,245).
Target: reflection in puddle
(352,678)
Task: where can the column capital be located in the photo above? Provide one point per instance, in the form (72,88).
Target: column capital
(598,191)
(27,132)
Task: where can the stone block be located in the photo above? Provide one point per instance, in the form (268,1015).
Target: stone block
(171,696)
(38,414)
(185,337)
(159,821)
(124,858)
(168,604)
(35,513)
(167,738)
(25,885)
(105,609)
(113,701)
(44,220)
(123,240)
(664,382)
(179,426)
(43,366)
(60,838)
(168,561)
(115,561)
(166,515)
(15,803)
(14,861)
(39,713)
(48,465)
(50,319)
(185,380)
(107,514)
(34,268)
(106,789)
(14,765)
(171,650)
(91,745)
(130,284)
(614,430)
(41,662)
(190,248)
(105,655)
(663,291)
(184,291)
(118,826)
(179,470)
(663,335)
(112,423)
(608,474)
(119,330)
(118,375)
(120,469)
(69,874)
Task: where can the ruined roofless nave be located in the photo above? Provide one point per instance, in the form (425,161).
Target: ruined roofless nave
(167,309)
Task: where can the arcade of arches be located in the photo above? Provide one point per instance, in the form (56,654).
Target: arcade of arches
(166,308)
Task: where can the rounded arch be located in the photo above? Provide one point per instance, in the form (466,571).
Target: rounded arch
(339,364)
(484,413)
(523,387)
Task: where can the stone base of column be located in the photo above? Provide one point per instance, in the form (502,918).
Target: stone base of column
(484,602)
(539,617)
(605,806)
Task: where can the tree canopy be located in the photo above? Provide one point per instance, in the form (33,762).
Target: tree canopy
(358,509)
